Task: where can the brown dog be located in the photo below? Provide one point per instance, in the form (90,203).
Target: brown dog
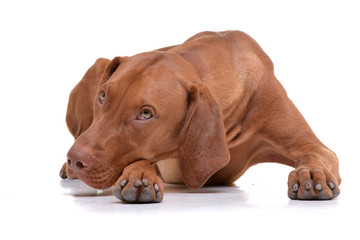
(203,112)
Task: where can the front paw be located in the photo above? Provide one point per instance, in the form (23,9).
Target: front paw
(315,183)
(139,183)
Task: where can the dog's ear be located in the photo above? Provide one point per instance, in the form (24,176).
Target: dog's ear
(202,147)
(79,114)
(111,68)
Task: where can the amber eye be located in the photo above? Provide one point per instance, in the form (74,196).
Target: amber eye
(144,114)
(102,96)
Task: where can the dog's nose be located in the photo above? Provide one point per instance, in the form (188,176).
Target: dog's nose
(78,160)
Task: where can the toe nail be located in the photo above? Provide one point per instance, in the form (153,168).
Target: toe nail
(307,186)
(137,183)
(123,183)
(331,185)
(295,187)
(156,187)
(318,186)
(145,182)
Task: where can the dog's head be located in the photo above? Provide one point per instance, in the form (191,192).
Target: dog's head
(150,106)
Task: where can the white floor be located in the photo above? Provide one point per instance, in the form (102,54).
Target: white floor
(256,206)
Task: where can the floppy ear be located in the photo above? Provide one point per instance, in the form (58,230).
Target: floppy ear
(110,69)
(79,113)
(202,148)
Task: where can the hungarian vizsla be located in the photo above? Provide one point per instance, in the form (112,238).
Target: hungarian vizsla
(198,113)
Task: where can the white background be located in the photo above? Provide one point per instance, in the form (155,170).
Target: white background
(46,47)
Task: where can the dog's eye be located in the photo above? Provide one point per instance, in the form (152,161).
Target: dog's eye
(144,114)
(101,96)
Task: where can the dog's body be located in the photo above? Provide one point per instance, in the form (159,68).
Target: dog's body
(203,112)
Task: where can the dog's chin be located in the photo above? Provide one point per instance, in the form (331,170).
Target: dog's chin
(98,185)
(99,180)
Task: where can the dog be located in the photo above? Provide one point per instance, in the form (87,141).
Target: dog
(201,112)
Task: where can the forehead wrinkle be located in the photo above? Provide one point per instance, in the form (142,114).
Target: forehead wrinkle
(121,91)
(133,76)
(161,93)
(134,68)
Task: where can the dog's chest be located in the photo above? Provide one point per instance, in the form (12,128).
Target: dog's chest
(170,171)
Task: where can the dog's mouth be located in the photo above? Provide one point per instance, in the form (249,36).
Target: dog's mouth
(99,178)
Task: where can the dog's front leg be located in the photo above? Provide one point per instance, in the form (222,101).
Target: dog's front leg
(316,174)
(139,183)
